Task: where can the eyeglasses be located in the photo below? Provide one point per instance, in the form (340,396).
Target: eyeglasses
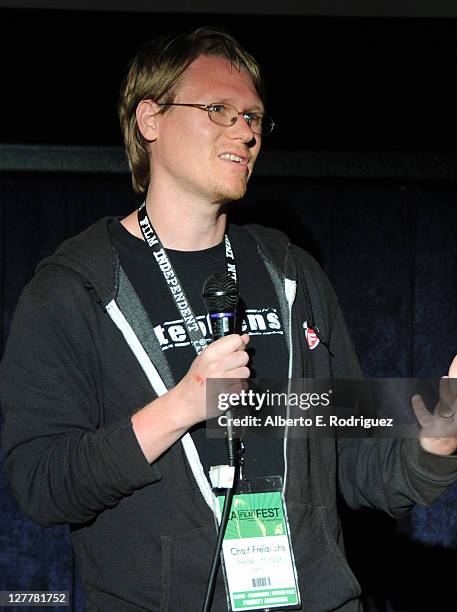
(227,115)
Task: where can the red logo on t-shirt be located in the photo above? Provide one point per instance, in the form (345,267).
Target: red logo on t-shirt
(310,335)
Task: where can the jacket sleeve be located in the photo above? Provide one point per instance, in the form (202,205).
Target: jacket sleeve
(383,473)
(64,466)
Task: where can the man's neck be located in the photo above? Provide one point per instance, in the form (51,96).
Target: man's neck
(183,227)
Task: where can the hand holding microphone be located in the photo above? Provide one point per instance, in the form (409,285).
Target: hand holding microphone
(225,358)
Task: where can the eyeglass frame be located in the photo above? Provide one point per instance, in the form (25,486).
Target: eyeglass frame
(206,107)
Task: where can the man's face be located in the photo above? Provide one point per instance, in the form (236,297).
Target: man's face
(187,154)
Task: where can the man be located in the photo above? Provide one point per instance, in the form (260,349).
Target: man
(104,394)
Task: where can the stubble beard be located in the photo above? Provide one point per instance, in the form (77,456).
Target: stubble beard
(224,194)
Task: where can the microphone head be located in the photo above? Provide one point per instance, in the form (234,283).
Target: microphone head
(220,293)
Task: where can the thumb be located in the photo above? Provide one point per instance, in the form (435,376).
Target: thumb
(453,368)
(245,338)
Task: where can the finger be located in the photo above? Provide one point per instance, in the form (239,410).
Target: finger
(224,394)
(422,414)
(233,361)
(244,384)
(446,401)
(452,382)
(245,338)
(223,366)
(233,384)
(226,345)
(453,368)
(242,372)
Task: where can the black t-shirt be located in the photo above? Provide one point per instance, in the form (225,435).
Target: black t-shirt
(259,315)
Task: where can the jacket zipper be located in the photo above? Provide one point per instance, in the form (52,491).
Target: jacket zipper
(290,290)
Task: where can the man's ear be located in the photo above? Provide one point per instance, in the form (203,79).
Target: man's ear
(147,113)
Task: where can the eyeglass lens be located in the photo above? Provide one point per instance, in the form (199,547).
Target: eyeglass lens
(228,115)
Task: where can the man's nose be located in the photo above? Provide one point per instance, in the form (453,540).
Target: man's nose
(243,129)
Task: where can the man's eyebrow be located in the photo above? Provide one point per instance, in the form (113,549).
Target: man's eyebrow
(255,108)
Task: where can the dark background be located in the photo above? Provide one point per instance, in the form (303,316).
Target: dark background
(365,109)
(334,83)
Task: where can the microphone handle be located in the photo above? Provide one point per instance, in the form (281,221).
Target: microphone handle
(222,324)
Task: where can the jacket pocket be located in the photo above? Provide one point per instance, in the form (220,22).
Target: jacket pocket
(186,563)
(325,578)
(326,582)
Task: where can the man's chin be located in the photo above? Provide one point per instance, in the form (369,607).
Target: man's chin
(224,195)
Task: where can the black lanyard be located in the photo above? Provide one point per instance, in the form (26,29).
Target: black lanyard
(199,342)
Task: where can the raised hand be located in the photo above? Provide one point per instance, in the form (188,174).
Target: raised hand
(439,428)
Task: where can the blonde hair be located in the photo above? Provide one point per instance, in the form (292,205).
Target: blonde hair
(155,73)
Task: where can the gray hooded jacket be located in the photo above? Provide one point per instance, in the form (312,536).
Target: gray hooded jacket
(81,359)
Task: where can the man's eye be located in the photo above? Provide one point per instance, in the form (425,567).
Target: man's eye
(252,118)
(217,108)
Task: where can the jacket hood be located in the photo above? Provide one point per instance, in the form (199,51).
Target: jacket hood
(276,248)
(91,255)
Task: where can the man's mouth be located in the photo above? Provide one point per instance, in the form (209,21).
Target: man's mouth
(234,158)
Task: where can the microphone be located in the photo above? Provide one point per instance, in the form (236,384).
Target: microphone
(221,295)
